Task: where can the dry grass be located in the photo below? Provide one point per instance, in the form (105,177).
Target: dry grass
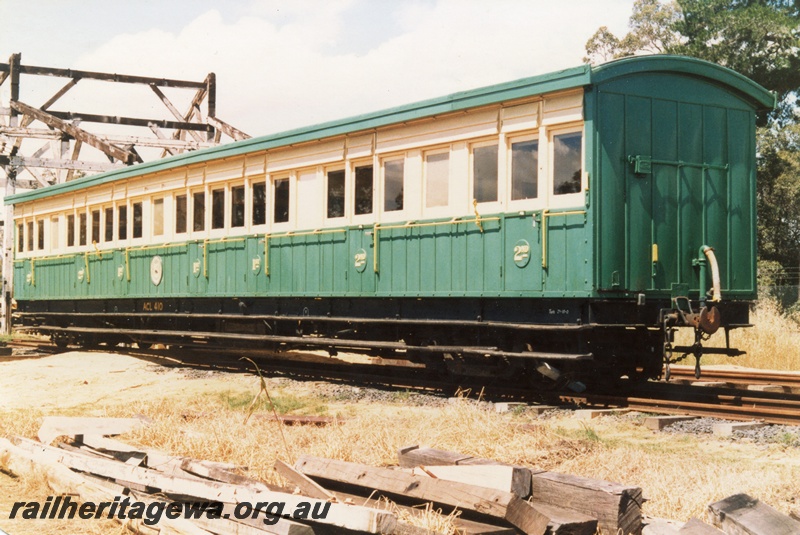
(681,475)
(773,342)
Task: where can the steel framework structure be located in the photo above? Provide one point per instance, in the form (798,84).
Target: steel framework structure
(63,135)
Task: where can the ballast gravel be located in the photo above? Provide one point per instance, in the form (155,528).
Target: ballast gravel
(769,434)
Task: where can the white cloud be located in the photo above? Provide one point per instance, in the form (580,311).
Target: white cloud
(276,66)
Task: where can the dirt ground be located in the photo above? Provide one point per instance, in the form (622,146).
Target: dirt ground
(679,474)
(87,384)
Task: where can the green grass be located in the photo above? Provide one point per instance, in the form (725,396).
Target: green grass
(284,403)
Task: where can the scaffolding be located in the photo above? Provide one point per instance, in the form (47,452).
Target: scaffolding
(54,140)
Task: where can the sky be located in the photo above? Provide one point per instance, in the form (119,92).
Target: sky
(283,64)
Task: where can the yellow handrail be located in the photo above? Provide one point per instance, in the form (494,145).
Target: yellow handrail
(291,234)
(545,214)
(454,221)
(86,261)
(409,224)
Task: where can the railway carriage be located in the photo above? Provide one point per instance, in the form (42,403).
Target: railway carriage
(557,228)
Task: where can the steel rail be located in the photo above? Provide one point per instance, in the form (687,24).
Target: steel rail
(742,377)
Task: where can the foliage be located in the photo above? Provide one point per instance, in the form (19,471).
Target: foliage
(757,38)
(778,193)
(651,32)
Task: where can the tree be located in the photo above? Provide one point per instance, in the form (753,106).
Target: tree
(652,32)
(757,38)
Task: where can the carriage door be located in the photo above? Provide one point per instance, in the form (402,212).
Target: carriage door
(677,190)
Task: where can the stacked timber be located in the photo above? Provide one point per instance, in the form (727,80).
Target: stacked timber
(327,496)
(616,508)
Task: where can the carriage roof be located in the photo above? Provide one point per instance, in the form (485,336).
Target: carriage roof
(572,78)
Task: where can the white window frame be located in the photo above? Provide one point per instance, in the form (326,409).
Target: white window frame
(348,204)
(569,200)
(55,232)
(145,227)
(163,236)
(540,200)
(226,194)
(272,180)
(447,209)
(229,207)
(250,183)
(351,191)
(392,215)
(498,204)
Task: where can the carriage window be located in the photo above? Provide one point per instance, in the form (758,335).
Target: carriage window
(199,211)
(70,230)
(364,187)
(180,214)
(393,185)
(20,238)
(524,170)
(237,206)
(218,208)
(54,233)
(158,217)
(484,173)
(437,179)
(137,220)
(82,229)
(95,226)
(29,236)
(260,203)
(335,194)
(567,168)
(281,198)
(40,234)
(122,222)
(109,233)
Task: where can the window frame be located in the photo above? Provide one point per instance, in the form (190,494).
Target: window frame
(229,208)
(534,203)
(104,225)
(192,230)
(372,215)
(154,201)
(567,200)
(499,202)
(177,195)
(132,214)
(118,219)
(346,203)
(290,215)
(220,231)
(250,216)
(401,212)
(447,208)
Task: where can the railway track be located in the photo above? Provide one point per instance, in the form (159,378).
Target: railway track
(739,378)
(669,398)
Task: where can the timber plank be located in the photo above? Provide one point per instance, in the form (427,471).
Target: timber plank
(62,480)
(514,479)
(345,516)
(463,525)
(481,500)
(615,506)
(698,527)
(742,514)
(307,486)
(74,426)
